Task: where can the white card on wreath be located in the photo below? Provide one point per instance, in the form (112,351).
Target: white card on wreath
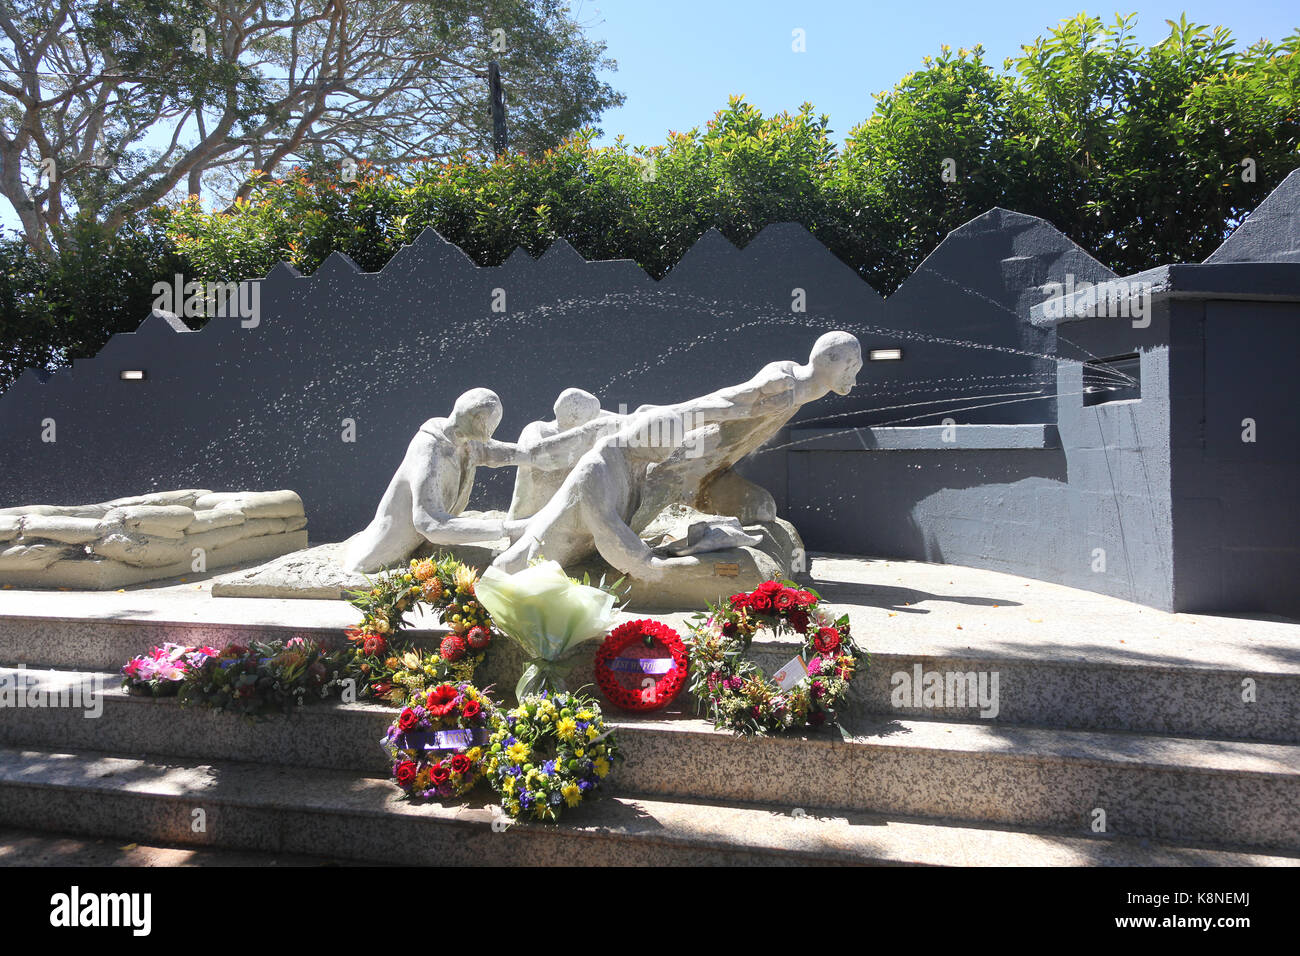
(791,674)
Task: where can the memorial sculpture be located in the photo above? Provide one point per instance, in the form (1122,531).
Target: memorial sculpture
(432,486)
(614,477)
(535,485)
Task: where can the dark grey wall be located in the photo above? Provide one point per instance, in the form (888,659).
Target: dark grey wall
(232,407)
(1086,503)
(1236,503)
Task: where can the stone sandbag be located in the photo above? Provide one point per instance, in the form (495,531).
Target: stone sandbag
(221,537)
(164,521)
(257,527)
(66,511)
(9,527)
(215,518)
(155,551)
(61,529)
(255,504)
(142,550)
(33,557)
(218,537)
(185,498)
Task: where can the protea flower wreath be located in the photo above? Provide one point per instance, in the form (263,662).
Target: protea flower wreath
(387,668)
(642,665)
(738,694)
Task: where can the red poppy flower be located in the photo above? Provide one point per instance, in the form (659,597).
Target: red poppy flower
(827,639)
(472,708)
(441,700)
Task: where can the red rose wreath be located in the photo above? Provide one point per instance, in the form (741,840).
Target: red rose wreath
(641,666)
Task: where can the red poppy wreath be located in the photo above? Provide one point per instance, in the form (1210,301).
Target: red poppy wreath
(641,666)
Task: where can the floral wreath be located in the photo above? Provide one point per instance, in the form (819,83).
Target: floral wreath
(641,666)
(161,672)
(261,677)
(738,694)
(549,753)
(437,746)
(400,672)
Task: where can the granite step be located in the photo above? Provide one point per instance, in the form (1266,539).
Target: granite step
(340,815)
(1036,684)
(1179,789)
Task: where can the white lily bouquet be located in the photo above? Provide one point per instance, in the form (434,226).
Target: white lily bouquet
(547,614)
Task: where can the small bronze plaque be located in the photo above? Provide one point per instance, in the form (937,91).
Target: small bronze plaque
(725,570)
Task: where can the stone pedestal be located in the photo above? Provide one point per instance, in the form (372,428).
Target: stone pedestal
(702,578)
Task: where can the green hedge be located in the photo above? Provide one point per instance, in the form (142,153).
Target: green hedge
(55,310)
(1135,153)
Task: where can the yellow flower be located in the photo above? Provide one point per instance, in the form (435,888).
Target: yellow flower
(572,795)
(567,728)
(602,766)
(585,715)
(518,751)
(423,570)
(592,732)
(465,578)
(580,752)
(474,753)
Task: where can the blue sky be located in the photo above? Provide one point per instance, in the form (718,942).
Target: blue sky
(679,60)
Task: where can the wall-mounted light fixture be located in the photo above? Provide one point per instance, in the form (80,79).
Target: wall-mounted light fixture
(885,355)
(131,375)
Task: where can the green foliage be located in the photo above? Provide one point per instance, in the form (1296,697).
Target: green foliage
(740,173)
(1132,152)
(56,309)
